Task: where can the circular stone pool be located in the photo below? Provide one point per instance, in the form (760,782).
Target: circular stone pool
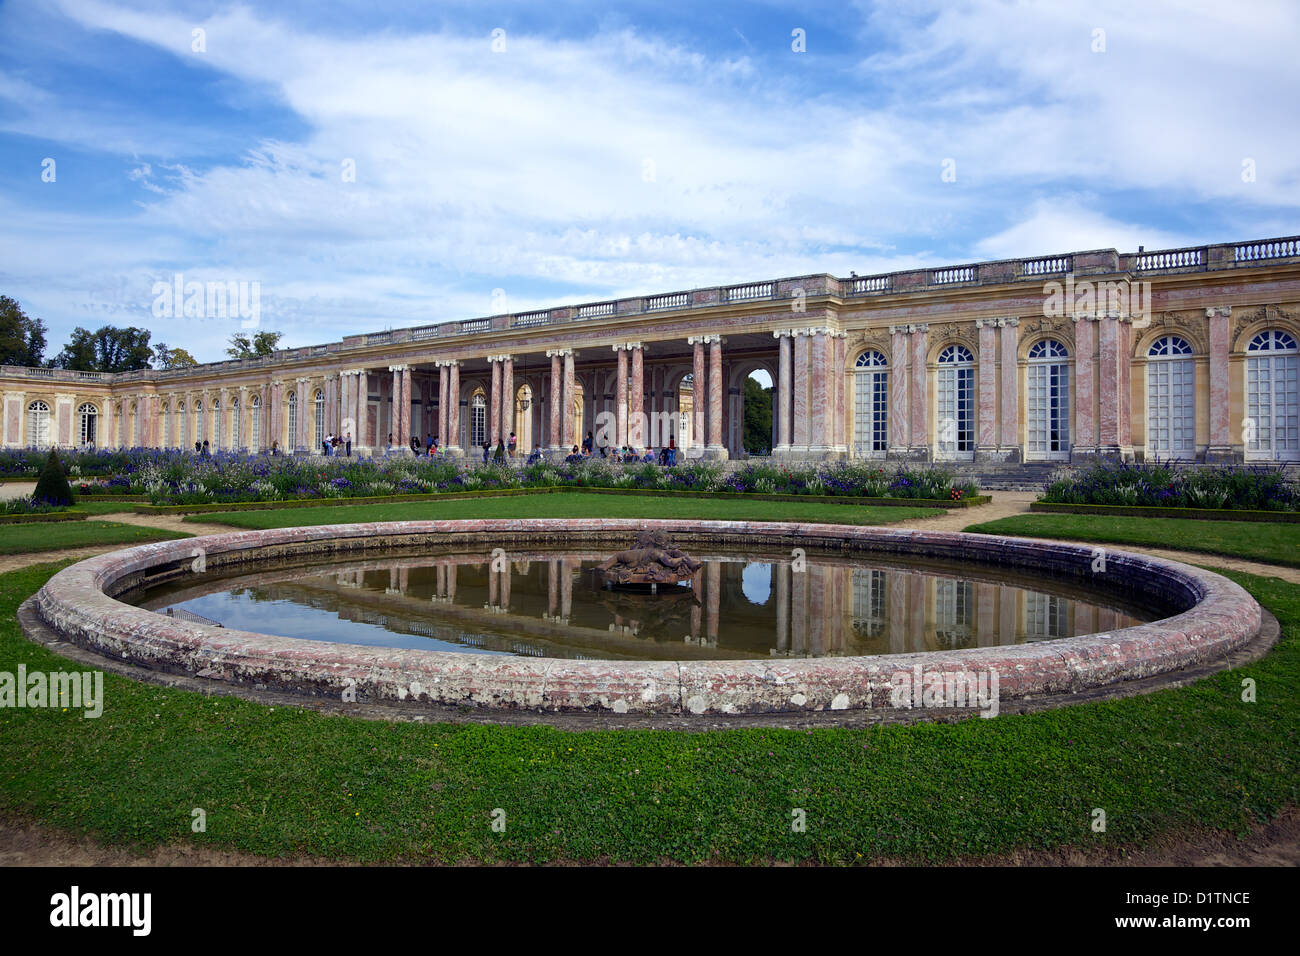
(780,617)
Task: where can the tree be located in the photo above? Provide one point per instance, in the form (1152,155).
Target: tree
(52,486)
(22,339)
(758,417)
(107,349)
(168,357)
(261,344)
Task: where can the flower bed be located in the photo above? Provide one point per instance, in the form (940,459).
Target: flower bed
(181,478)
(1155,485)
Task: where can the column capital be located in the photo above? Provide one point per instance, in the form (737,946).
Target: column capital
(1223,310)
(399,368)
(705,339)
(922,329)
(782,333)
(300,381)
(558,353)
(493,359)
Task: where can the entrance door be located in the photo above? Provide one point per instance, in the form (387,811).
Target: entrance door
(1272,430)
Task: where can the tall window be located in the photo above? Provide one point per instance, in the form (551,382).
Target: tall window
(478,420)
(200,422)
(1171,399)
(255,424)
(1272,430)
(87,424)
(954,606)
(870,602)
(1046,616)
(319,407)
(38,424)
(1047,408)
(870,405)
(135,426)
(236,430)
(218,423)
(293,421)
(182,426)
(955,419)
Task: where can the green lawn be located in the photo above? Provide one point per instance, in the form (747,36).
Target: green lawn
(570,505)
(288,781)
(105,507)
(1259,541)
(55,535)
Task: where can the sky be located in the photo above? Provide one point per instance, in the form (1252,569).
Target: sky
(371,165)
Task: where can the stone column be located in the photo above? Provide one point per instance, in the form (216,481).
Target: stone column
(920,411)
(818,413)
(840,438)
(222,424)
(783,386)
(988,397)
(242,414)
(566,411)
(716,449)
(782,589)
(1112,364)
(555,397)
(1085,393)
(401,420)
(301,443)
(699,391)
(508,399)
(637,423)
(1009,340)
(620,394)
(452,437)
(494,402)
(899,440)
(799,395)
(1220,448)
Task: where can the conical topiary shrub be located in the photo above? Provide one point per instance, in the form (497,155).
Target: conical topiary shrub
(52,486)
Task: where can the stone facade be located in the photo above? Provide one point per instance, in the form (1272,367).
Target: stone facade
(1186,353)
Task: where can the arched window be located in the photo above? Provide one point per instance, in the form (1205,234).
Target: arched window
(1171,399)
(236,426)
(38,424)
(1272,431)
(182,426)
(478,420)
(87,424)
(955,403)
(255,424)
(200,422)
(292,442)
(1047,405)
(870,405)
(218,424)
(318,404)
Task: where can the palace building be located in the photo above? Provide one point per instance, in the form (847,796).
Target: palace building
(1185,354)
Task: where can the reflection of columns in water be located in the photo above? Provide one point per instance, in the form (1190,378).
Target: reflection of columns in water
(552,587)
(799,613)
(451,582)
(1107,619)
(917,619)
(782,590)
(392,578)
(1007,616)
(440,580)
(566,587)
(898,620)
(985,595)
(816,609)
(714,599)
(492,585)
(505,587)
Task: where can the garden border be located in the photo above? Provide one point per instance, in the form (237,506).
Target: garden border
(1146,511)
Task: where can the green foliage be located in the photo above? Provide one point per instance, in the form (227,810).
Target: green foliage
(259,345)
(758,418)
(107,349)
(1154,484)
(168,357)
(52,486)
(22,339)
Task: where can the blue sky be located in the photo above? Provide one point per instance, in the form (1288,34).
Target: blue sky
(607,152)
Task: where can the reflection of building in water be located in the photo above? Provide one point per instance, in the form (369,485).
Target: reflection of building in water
(953,603)
(1045,617)
(870,600)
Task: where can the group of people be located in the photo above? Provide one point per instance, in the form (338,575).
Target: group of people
(625,454)
(332,443)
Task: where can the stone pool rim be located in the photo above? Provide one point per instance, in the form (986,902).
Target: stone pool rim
(74,603)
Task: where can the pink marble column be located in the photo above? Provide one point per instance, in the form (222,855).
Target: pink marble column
(716,447)
(1110,382)
(782,604)
(699,392)
(508,399)
(404,412)
(920,412)
(494,402)
(555,396)
(799,394)
(818,412)
(840,439)
(566,417)
(1009,340)
(636,426)
(444,374)
(452,439)
(898,362)
(988,398)
(1085,393)
(1220,448)
(714,600)
(783,387)
(620,395)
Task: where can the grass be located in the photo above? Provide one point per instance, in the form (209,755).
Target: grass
(105,507)
(1258,541)
(54,536)
(286,781)
(571,505)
